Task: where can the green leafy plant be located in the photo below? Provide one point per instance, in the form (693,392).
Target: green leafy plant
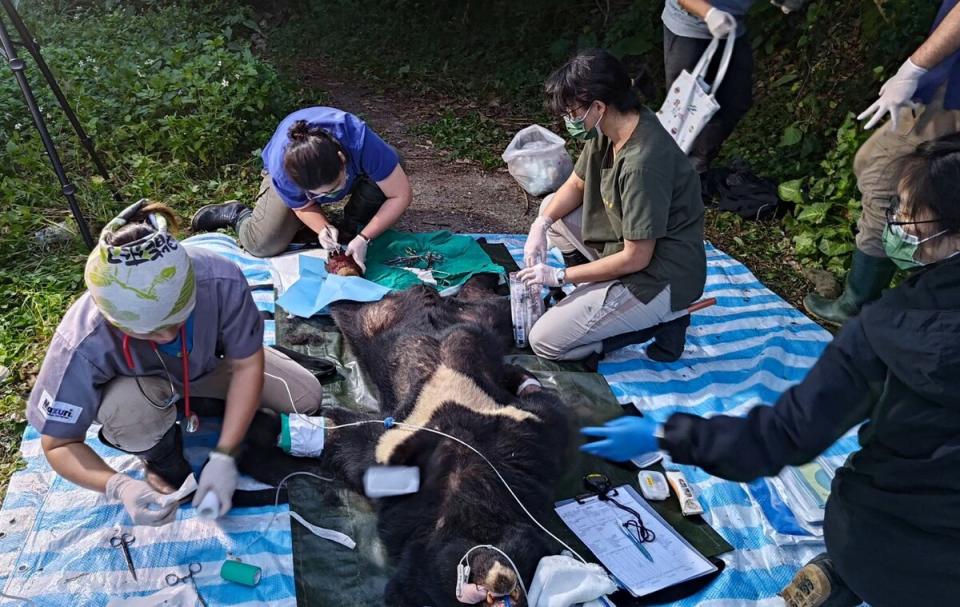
(827,204)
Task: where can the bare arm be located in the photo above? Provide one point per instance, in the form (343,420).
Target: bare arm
(700,8)
(635,256)
(568,198)
(243,399)
(75,461)
(943,42)
(396,187)
(312,217)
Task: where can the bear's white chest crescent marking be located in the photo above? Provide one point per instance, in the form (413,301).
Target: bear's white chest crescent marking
(445,386)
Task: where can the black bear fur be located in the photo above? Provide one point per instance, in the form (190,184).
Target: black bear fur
(405,342)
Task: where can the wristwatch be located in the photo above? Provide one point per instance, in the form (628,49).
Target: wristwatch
(561,276)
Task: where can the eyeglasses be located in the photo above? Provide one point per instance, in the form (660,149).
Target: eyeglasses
(894,208)
(570,114)
(324,196)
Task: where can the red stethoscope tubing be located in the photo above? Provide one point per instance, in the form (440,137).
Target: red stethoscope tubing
(185,357)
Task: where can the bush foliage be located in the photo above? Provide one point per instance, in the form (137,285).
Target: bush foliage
(813,69)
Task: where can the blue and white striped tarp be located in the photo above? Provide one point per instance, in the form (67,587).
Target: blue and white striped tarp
(54,536)
(742,352)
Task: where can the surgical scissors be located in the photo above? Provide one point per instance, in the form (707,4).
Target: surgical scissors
(173,579)
(123,540)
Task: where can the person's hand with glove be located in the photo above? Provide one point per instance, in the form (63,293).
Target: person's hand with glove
(140,500)
(720,23)
(895,93)
(623,438)
(541,274)
(220,476)
(535,249)
(358,250)
(328,238)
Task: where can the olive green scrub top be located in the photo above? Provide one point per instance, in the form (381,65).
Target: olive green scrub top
(647,190)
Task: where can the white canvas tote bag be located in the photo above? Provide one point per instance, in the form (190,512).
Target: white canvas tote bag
(690,102)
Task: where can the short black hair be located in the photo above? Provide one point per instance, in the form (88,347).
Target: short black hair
(311,159)
(930,176)
(593,75)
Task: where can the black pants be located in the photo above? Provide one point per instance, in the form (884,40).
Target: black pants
(735,94)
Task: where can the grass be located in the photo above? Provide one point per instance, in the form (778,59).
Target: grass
(178,105)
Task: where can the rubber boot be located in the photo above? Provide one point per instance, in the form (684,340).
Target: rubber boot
(867,279)
(214,217)
(817,584)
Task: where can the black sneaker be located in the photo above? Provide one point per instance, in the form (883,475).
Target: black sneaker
(214,217)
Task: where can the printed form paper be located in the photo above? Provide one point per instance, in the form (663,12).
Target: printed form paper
(640,567)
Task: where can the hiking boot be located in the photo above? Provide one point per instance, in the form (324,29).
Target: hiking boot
(214,217)
(817,584)
(867,279)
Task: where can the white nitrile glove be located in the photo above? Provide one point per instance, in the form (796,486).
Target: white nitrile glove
(140,500)
(540,274)
(535,250)
(358,250)
(894,94)
(720,23)
(220,476)
(328,238)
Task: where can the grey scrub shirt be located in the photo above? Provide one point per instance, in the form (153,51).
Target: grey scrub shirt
(86,351)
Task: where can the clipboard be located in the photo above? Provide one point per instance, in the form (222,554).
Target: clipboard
(641,568)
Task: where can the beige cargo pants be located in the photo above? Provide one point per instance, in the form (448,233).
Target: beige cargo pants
(576,327)
(876,164)
(133,421)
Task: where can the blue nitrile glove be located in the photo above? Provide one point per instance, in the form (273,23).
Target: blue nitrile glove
(624,438)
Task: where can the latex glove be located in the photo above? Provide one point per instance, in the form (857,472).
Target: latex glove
(140,500)
(720,23)
(220,476)
(624,438)
(540,274)
(358,250)
(328,238)
(895,93)
(535,250)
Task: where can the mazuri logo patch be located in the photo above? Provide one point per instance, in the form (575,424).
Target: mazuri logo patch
(58,411)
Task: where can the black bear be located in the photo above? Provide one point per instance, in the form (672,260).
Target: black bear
(438,363)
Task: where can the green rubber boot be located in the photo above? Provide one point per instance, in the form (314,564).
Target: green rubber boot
(868,277)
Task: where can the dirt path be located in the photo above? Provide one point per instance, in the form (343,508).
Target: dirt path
(447,195)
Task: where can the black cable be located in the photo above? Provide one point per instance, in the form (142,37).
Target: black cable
(643,533)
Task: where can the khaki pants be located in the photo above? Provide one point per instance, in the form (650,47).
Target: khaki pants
(272,225)
(876,164)
(132,422)
(576,327)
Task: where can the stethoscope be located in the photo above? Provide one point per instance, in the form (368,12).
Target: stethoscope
(192,421)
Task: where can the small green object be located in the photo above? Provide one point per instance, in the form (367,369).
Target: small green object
(284,440)
(240,573)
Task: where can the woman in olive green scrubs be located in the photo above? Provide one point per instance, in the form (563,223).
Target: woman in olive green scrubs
(628,221)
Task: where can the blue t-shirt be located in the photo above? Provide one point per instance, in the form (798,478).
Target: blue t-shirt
(948,71)
(687,25)
(366,153)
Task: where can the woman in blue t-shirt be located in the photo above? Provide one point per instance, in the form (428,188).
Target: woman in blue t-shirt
(316,157)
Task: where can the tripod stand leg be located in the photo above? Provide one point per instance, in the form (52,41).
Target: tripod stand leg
(27,40)
(68,189)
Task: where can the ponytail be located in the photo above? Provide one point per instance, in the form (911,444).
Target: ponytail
(593,75)
(312,158)
(138,224)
